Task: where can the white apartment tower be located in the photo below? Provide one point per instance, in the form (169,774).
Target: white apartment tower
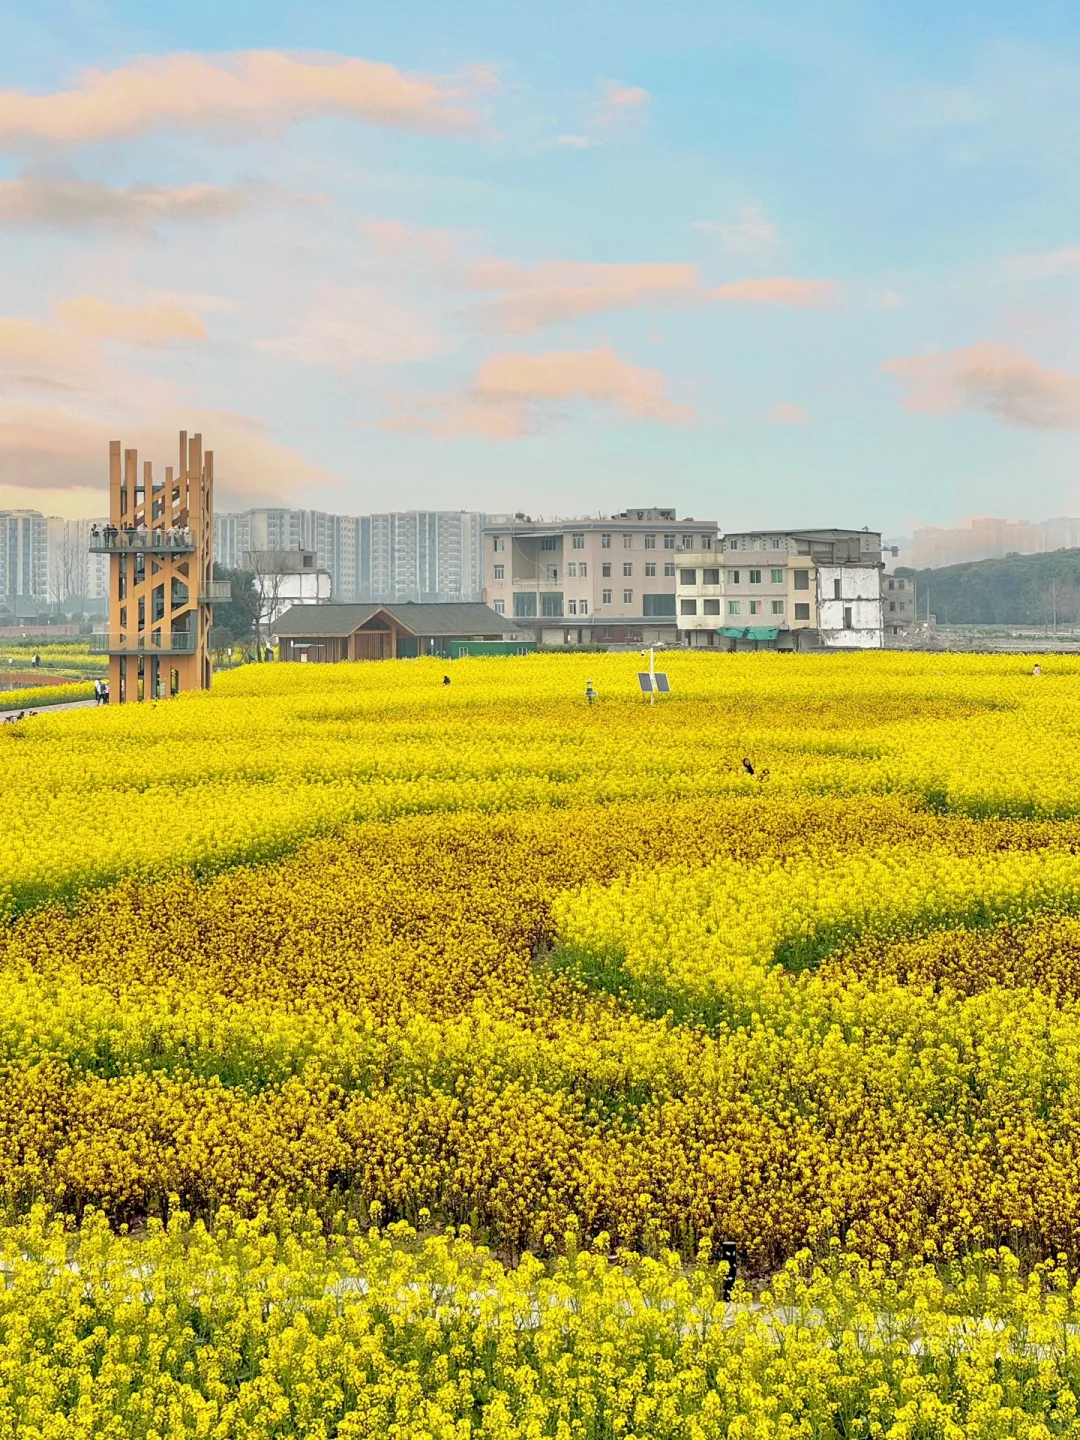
(387,558)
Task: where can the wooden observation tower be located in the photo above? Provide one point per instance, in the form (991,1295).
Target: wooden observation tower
(159,540)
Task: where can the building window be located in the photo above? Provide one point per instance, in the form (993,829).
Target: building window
(578,540)
(552,572)
(628,542)
(687,542)
(524,605)
(687,607)
(688,577)
(892,584)
(627,568)
(499,607)
(755,577)
(710,577)
(706,542)
(605,570)
(802,582)
(571,606)
(571,571)
(547,542)
(710,607)
(605,596)
(650,570)
(605,542)
(735,576)
(733,607)
(582,607)
(802,610)
(551,605)
(498,544)
(754,606)
(669,542)
(777,577)
(650,542)
(836,593)
(777,607)
(500,572)
(731,543)
(627,597)
(669,570)
(892,604)
(776,542)
(583,570)
(847,617)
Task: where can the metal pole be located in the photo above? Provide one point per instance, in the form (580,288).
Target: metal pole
(652,677)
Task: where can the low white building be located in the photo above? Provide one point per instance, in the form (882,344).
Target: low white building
(285,578)
(849,606)
(786,590)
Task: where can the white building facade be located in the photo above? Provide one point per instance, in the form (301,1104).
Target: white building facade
(786,590)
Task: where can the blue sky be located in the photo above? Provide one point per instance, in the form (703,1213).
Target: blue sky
(777,267)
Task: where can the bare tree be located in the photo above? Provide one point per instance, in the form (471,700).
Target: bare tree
(265,567)
(1057,602)
(66,559)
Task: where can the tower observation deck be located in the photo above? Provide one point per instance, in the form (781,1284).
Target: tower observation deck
(159,541)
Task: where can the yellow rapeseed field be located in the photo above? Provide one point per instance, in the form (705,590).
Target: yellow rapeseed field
(389,1058)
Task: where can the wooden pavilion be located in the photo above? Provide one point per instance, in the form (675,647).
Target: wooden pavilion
(333,632)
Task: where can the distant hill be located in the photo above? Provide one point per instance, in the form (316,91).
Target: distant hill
(1015,590)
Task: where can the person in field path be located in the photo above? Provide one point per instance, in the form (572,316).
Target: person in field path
(446,679)
(747,767)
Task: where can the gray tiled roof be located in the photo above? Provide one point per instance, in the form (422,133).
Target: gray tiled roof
(448,618)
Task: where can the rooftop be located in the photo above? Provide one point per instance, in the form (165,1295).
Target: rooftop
(443,618)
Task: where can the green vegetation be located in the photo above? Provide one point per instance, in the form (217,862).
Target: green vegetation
(1015,590)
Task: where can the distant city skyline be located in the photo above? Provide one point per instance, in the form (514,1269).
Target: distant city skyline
(795,264)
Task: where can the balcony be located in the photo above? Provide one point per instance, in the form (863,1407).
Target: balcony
(156,542)
(218,591)
(151,642)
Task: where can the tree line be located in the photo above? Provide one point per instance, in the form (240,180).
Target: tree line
(1013,590)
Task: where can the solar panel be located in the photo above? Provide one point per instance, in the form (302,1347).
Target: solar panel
(662,684)
(644,679)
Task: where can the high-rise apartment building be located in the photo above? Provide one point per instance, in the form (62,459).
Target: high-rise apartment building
(24,557)
(387,558)
(608,579)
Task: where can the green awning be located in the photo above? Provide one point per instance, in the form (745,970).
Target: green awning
(731,633)
(765,632)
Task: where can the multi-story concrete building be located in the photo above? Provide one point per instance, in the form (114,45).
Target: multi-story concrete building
(791,590)
(24,558)
(609,580)
(899,604)
(397,556)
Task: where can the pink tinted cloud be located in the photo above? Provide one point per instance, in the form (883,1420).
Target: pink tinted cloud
(559,290)
(151,325)
(1045,266)
(779,290)
(997,380)
(59,448)
(67,203)
(399,240)
(250,90)
(619,104)
(511,394)
(786,413)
